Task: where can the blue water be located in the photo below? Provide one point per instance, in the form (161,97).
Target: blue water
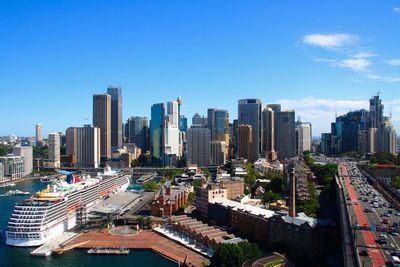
(15,257)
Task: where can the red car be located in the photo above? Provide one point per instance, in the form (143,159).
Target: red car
(385,221)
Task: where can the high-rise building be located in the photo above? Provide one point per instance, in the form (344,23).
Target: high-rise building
(157,125)
(376,112)
(183,124)
(13,166)
(198,146)
(249,113)
(39,136)
(372,140)
(303,137)
(268,117)
(387,138)
(218,123)
(285,134)
(27,153)
(116,116)
(138,132)
(218,156)
(54,150)
(325,145)
(275,107)
(173,113)
(199,120)
(245,142)
(71,141)
(88,146)
(172,137)
(102,120)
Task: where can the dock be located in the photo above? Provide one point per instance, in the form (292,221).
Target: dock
(109,251)
(47,248)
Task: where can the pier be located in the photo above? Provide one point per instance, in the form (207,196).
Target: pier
(47,248)
(108,251)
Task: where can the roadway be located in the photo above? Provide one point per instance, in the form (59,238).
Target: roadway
(368,209)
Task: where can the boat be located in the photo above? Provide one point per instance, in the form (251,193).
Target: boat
(48,179)
(109,251)
(7,185)
(14,193)
(50,212)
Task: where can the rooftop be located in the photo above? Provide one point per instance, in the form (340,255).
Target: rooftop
(244,207)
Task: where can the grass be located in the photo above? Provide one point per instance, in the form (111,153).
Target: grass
(275,263)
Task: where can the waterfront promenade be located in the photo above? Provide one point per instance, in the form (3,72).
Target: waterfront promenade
(142,240)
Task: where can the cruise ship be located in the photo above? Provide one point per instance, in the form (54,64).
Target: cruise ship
(52,211)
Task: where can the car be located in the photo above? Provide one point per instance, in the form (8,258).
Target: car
(394,234)
(395,252)
(398,214)
(363,252)
(385,221)
(390,211)
(386,215)
(395,225)
(367,210)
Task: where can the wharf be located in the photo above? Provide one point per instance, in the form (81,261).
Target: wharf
(47,248)
(142,240)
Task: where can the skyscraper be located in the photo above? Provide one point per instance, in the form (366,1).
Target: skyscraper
(245,142)
(285,134)
(54,150)
(218,156)
(102,120)
(39,137)
(387,138)
(183,124)
(303,137)
(376,112)
(218,123)
(71,141)
(249,113)
(172,137)
(268,117)
(138,132)
(87,146)
(116,116)
(198,146)
(157,125)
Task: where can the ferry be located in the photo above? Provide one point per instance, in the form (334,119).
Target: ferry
(14,193)
(49,213)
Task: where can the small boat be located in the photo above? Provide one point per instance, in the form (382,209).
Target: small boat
(7,185)
(14,193)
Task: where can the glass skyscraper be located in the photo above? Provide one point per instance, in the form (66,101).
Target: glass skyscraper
(157,125)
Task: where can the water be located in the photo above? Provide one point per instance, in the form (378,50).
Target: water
(15,257)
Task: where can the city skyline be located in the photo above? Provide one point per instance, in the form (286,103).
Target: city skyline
(214,53)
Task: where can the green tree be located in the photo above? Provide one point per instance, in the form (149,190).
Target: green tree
(395,182)
(151,185)
(149,222)
(232,255)
(191,198)
(141,222)
(197,183)
(271,196)
(252,174)
(4,150)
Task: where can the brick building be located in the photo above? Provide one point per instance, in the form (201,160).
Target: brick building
(168,201)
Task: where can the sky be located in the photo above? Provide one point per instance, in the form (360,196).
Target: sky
(317,57)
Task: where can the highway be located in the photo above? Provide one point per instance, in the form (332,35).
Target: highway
(374,220)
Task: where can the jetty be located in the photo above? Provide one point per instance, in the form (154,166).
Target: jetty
(47,248)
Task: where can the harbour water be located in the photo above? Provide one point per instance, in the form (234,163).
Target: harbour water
(15,257)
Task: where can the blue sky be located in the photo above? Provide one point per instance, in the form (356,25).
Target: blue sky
(312,56)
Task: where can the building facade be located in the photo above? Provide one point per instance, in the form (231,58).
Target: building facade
(250,113)
(13,167)
(168,201)
(88,147)
(116,116)
(303,137)
(285,134)
(157,125)
(54,150)
(245,142)
(27,153)
(102,120)
(198,146)
(218,156)
(39,134)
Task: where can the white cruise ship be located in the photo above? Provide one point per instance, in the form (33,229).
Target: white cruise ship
(52,211)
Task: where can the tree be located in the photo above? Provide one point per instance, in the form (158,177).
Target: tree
(252,175)
(395,183)
(149,222)
(4,150)
(151,185)
(206,172)
(271,196)
(141,221)
(231,255)
(191,198)
(197,183)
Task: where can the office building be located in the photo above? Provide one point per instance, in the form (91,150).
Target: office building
(218,153)
(71,141)
(372,140)
(325,145)
(183,124)
(376,112)
(39,136)
(102,120)
(54,150)
(199,120)
(157,125)
(88,146)
(27,153)
(198,146)
(285,134)
(13,167)
(303,137)
(387,138)
(268,117)
(116,116)
(218,123)
(245,142)
(138,132)
(250,113)
(172,137)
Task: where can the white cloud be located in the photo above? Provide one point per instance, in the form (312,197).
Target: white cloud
(396,9)
(393,62)
(330,40)
(364,55)
(378,77)
(356,64)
